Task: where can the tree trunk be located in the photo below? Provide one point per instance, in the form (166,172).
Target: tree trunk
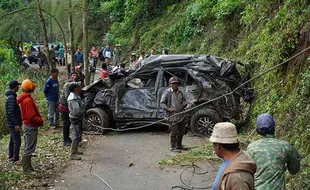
(42,20)
(85,42)
(62,33)
(71,36)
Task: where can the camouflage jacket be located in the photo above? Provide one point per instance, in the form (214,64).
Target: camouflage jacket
(272,157)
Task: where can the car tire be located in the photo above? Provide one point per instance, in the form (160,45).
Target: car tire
(203,121)
(98,117)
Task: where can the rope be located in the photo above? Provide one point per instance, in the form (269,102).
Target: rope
(207,102)
(187,186)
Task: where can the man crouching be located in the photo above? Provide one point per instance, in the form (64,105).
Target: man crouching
(76,115)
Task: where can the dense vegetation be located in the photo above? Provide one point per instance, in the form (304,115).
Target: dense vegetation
(262,33)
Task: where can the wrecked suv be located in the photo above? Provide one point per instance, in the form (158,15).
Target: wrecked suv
(133,99)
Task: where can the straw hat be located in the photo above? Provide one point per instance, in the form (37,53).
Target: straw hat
(224,133)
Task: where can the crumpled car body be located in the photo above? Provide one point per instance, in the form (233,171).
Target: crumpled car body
(135,99)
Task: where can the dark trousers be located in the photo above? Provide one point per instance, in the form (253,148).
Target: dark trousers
(14,144)
(176,134)
(66,126)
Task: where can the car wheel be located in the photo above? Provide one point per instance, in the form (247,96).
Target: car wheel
(96,117)
(203,121)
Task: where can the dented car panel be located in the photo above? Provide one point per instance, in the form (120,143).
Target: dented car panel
(137,96)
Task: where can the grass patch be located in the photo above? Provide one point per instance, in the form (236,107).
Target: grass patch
(202,153)
(50,156)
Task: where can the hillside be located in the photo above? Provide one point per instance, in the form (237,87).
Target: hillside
(261,33)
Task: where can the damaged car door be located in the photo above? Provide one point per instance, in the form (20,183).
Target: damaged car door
(137,98)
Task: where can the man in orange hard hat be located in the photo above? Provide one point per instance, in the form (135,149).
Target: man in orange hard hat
(32,120)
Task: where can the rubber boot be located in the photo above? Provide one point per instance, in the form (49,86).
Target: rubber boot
(172,143)
(74,148)
(31,168)
(179,143)
(26,162)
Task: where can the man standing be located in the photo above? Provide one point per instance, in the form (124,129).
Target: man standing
(80,75)
(31,121)
(13,120)
(51,91)
(237,170)
(152,51)
(272,156)
(75,104)
(107,52)
(53,56)
(64,110)
(141,58)
(78,58)
(117,54)
(134,64)
(173,102)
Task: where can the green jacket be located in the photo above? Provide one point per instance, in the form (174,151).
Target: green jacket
(272,157)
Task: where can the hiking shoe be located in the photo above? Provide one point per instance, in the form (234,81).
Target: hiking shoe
(52,127)
(173,149)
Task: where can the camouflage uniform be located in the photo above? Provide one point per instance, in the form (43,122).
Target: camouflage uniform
(272,156)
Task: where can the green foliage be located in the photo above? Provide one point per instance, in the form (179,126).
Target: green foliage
(223,9)
(10,70)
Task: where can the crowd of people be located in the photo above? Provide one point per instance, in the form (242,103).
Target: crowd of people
(22,112)
(262,166)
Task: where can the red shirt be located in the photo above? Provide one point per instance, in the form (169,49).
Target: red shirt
(29,111)
(104,74)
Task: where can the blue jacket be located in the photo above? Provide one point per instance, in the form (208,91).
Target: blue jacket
(51,89)
(78,57)
(13,115)
(105,54)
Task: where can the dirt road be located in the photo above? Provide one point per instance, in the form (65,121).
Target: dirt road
(111,157)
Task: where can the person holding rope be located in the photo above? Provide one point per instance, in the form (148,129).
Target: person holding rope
(173,101)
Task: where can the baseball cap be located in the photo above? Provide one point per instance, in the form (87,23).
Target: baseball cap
(265,124)
(173,80)
(74,85)
(13,83)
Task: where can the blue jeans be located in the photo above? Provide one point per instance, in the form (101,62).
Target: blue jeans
(53,112)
